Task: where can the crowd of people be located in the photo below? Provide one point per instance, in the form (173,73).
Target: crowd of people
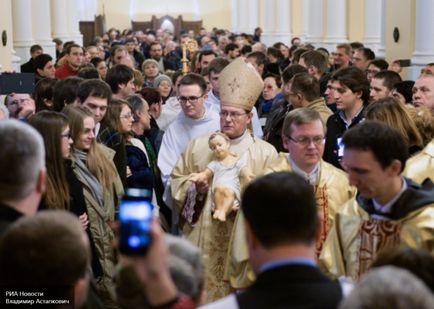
(281,176)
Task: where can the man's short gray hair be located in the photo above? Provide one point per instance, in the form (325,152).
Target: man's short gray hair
(22,156)
(389,287)
(185,264)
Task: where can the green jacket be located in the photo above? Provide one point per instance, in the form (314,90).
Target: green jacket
(103,236)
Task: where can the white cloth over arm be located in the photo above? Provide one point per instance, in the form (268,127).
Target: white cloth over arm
(179,134)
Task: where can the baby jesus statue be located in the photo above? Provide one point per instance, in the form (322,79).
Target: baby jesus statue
(225,171)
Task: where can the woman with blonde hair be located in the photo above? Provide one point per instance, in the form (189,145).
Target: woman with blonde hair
(424,121)
(63,190)
(93,167)
(391,112)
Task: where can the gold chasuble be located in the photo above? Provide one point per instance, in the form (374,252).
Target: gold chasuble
(421,166)
(332,192)
(211,235)
(359,232)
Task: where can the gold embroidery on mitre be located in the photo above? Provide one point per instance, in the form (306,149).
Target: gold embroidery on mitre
(234,85)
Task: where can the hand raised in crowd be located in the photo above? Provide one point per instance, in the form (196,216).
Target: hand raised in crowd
(152,268)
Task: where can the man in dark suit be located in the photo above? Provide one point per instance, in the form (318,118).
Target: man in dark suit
(281,224)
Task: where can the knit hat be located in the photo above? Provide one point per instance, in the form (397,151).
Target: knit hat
(160,78)
(406,89)
(240,85)
(148,61)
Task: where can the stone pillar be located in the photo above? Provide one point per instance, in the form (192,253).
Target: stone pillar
(73,23)
(277,22)
(59,20)
(336,24)
(312,22)
(424,34)
(42,26)
(22,28)
(234,15)
(243,16)
(253,15)
(269,8)
(374,19)
(283,21)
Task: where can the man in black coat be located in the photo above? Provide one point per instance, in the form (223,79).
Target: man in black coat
(281,244)
(350,89)
(22,176)
(29,66)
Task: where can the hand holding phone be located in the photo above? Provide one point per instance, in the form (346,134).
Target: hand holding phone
(135,216)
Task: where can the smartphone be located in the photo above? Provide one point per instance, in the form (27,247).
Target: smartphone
(17,83)
(341,148)
(403,63)
(135,217)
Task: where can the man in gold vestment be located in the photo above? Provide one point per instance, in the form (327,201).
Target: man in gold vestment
(240,86)
(421,166)
(303,135)
(389,210)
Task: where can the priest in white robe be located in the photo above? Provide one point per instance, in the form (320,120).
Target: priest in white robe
(194,120)
(240,86)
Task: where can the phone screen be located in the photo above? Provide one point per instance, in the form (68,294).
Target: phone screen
(135,216)
(17,83)
(341,147)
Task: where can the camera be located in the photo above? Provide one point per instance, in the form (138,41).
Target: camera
(135,217)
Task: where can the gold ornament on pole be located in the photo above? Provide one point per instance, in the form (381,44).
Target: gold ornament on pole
(191,46)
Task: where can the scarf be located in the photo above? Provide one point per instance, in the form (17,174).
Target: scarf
(80,158)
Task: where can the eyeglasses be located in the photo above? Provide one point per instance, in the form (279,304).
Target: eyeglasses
(192,99)
(232,115)
(305,141)
(373,72)
(66,135)
(127,116)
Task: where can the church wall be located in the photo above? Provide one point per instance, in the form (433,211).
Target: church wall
(213,13)
(355,20)
(6,24)
(297,18)
(401,16)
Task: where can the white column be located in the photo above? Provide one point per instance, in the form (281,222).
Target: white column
(269,11)
(277,22)
(59,20)
(373,24)
(336,23)
(283,21)
(253,15)
(22,28)
(234,15)
(312,22)
(243,16)
(42,26)
(424,34)
(73,23)
(381,50)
